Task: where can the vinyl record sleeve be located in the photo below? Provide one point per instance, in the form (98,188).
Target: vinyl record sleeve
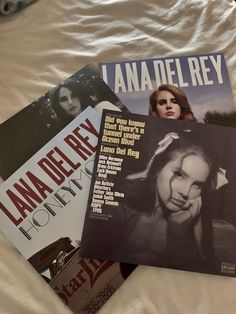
(202,78)
(162,194)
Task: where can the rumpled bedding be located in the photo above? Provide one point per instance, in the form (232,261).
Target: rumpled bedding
(50,40)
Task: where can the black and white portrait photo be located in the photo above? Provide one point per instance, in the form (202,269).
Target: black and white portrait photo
(177,207)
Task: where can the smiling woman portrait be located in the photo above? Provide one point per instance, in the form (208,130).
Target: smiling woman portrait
(169,101)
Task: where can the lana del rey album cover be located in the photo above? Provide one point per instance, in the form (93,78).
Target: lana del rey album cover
(163,194)
(198,85)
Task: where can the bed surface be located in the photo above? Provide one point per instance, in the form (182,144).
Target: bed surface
(48,41)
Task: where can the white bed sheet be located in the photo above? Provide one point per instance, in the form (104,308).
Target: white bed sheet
(50,40)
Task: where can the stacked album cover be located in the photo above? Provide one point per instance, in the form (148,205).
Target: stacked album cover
(132,165)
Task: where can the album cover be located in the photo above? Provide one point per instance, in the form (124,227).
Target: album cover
(163,194)
(197,86)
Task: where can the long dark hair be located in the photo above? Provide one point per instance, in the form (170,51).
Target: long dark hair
(77,89)
(181,99)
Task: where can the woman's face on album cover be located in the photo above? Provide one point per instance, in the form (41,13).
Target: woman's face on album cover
(181,180)
(69,102)
(167,106)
